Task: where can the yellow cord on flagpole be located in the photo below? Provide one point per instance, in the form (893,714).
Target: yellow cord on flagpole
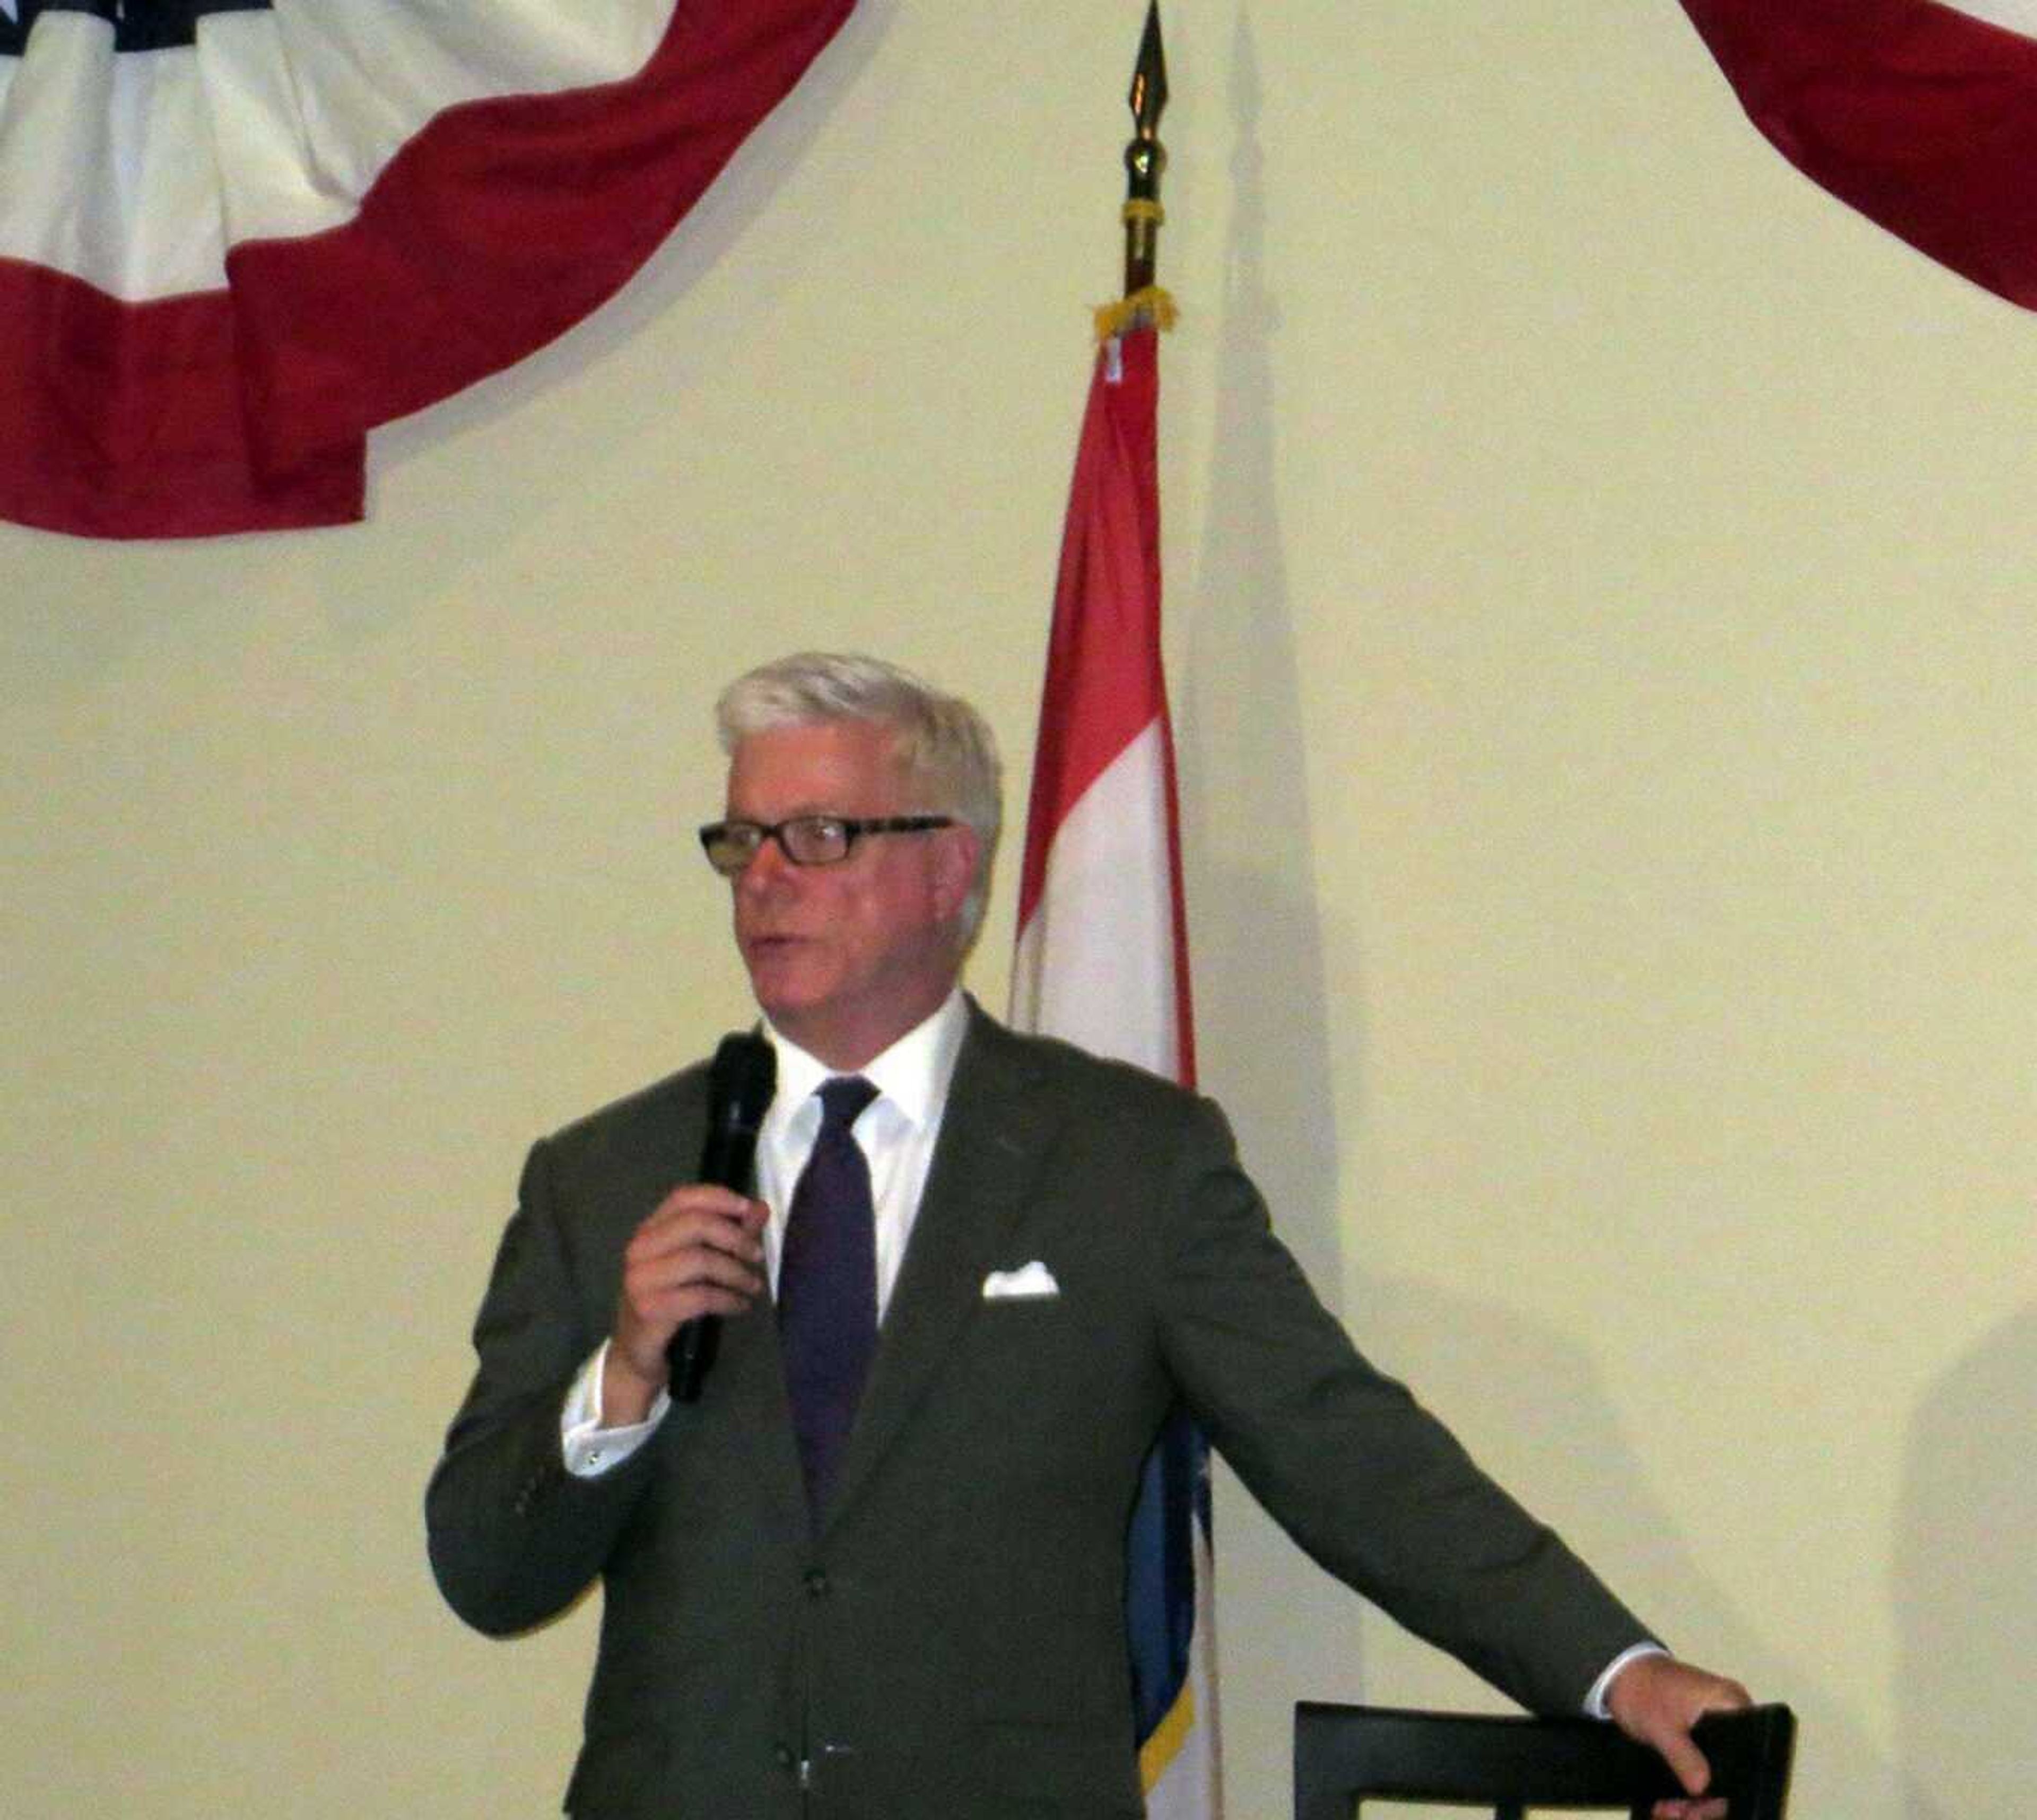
(1143,216)
(1152,304)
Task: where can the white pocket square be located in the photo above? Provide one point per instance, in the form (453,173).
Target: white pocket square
(1030,1282)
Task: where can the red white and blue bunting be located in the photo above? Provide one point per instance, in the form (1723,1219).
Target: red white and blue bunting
(236,235)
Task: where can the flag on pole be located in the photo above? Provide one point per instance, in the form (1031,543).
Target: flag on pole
(1923,116)
(1102,961)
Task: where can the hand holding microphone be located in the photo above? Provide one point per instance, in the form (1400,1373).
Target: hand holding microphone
(740,1084)
(700,1255)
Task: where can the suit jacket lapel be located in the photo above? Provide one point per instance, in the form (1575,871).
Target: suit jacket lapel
(749,1374)
(993,1137)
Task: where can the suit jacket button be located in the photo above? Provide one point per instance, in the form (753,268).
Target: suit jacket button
(817,1583)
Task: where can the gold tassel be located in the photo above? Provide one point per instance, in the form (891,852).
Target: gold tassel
(1152,304)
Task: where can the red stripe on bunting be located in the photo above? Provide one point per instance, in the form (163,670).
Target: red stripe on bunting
(124,420)
(502,224)
(1920,116)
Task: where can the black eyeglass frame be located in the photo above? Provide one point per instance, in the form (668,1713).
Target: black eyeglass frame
(852,828)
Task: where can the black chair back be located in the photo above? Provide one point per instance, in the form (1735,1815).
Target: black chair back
(1346,1754)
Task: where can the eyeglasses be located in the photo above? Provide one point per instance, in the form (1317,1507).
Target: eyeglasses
(804,840)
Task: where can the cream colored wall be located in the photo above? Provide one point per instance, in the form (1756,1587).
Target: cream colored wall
(1603,655)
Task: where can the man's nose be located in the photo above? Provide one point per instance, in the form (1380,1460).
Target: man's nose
(768,866)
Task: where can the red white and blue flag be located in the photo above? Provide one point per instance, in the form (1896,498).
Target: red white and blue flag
(1102,961)
(236,235)
(1922,115)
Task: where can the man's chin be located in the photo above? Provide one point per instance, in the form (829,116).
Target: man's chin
(781,994)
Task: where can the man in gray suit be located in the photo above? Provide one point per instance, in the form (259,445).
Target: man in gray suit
(916,1612)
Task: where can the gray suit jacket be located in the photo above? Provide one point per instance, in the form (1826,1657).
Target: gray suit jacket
(951,1642)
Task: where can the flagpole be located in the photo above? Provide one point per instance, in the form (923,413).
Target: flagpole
(1167,1543)
(1102,956)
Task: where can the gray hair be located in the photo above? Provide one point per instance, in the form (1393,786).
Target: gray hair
(945,747)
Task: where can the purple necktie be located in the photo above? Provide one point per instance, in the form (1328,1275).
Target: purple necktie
(827,1286)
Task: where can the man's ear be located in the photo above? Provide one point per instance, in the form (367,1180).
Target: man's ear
(956,849)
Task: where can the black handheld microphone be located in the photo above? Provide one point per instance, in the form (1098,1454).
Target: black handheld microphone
(744,1077)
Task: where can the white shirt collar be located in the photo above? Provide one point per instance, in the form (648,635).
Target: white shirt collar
(913,1074)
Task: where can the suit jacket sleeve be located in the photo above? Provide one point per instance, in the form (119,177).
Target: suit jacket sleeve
(1370,1484)
(514,1538)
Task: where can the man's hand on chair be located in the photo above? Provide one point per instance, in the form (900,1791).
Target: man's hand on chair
(1656,1700)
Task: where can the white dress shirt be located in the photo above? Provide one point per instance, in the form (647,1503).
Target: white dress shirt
(897,1131)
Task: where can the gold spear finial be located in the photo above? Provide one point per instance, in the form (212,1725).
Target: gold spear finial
(1145,162)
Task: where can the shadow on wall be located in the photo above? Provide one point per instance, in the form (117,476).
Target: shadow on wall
(1965,1592)
(1255,930)
(1547,1428)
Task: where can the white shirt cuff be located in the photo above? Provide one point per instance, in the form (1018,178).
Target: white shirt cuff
(1595,1705)
(590,1449)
